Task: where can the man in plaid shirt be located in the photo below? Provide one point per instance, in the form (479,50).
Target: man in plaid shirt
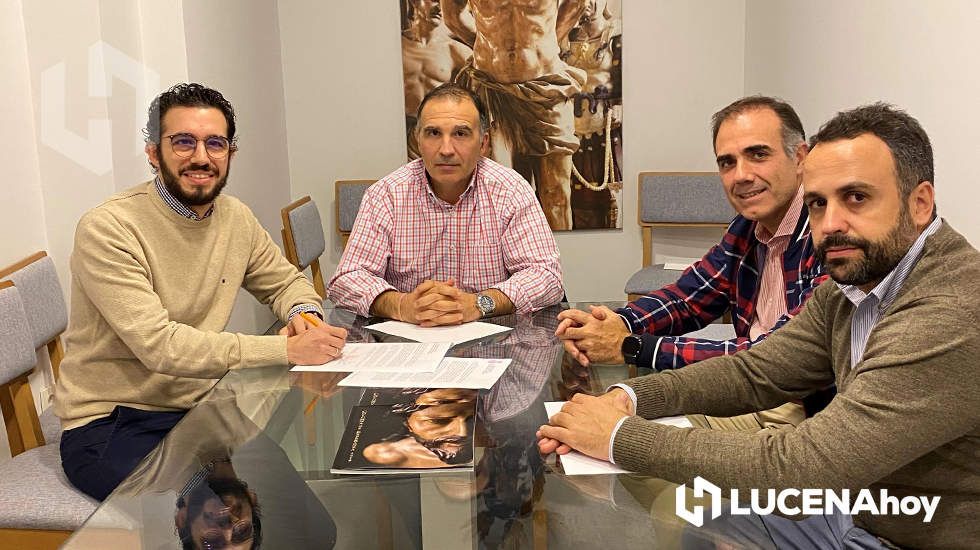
(763,270)
(453,236)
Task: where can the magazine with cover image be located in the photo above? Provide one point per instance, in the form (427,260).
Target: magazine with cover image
(408,430)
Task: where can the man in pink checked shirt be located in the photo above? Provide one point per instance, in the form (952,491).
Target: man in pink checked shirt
(453,236)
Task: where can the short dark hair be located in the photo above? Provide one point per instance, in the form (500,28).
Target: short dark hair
(902,133)
(186,95)
(459,93)
(791,128)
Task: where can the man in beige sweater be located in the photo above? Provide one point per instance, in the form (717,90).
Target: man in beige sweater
(899,333)
(155,273)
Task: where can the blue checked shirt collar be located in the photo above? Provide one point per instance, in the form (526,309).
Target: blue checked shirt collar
(176,205)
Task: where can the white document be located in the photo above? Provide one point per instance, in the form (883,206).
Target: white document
(575,463)
(678,264)
(382,357)
(453,372)
(455,334)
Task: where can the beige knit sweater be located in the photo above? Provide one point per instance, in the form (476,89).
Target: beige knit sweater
(151,293)
(906,418)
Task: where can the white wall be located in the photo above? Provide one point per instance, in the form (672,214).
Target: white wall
(22,230)
(233,46)
(682,61)
(833,55)
(345,114)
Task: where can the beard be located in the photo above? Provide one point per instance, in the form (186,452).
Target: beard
(878,257)
(462,455)
(198,197)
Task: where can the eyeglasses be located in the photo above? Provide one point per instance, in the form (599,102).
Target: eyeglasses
(184,145)
(241,531)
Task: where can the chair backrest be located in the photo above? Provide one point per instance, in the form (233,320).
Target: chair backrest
(37,280)
(680,199)
(17,360)
(347,198)
(302,238)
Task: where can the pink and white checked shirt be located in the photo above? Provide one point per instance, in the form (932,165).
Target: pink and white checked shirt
(496,236)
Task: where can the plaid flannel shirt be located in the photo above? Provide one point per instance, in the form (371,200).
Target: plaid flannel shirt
(726,278)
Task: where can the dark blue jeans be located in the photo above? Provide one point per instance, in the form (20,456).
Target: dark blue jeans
(96,457)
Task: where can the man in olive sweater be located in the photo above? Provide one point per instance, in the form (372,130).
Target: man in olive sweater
(899,333)
(155,273)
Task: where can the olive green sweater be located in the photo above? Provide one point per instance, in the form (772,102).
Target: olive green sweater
(151,293)
(906,418)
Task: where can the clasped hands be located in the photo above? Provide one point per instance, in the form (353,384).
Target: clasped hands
(585,423)
(436,303)
(592,337)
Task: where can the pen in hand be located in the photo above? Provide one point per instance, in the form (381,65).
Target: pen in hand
(310,319)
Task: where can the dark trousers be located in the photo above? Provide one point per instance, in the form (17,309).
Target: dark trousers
(96,457)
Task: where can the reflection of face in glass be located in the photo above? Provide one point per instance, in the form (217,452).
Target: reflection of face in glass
(221,514)
(439,420)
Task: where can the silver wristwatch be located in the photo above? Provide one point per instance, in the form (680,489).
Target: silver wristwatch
(485,304)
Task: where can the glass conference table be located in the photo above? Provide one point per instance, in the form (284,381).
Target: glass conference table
(270,437)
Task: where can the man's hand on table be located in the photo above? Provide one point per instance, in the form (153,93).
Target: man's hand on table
(433,303)
(442,303)
(595,337)
(585,424)
(315,345)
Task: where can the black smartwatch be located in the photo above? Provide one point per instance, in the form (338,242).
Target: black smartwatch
(632,345)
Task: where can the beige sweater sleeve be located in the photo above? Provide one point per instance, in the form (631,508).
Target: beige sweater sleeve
(108,264)
(891,409)
(272,279)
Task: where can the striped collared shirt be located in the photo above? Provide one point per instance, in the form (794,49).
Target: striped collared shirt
(870,306)
(178,206)
(770,304)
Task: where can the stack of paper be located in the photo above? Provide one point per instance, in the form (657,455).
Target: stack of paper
(452,372)
(381,357)
(455,334)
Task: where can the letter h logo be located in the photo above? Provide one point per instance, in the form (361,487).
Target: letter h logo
(695,516)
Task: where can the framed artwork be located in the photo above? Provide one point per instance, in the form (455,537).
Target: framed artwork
(550,74)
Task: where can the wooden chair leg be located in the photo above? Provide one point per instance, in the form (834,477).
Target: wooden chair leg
(317,278)
(386,539)
(20,416)
(309,418)
(35,539)
(56,352)
(540,528)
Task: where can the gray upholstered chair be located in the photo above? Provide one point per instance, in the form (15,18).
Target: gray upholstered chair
(41,508)
(674,199)
(347,198)
(302,238)
(37,281)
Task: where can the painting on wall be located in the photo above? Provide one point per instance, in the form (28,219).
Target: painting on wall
(550,74)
